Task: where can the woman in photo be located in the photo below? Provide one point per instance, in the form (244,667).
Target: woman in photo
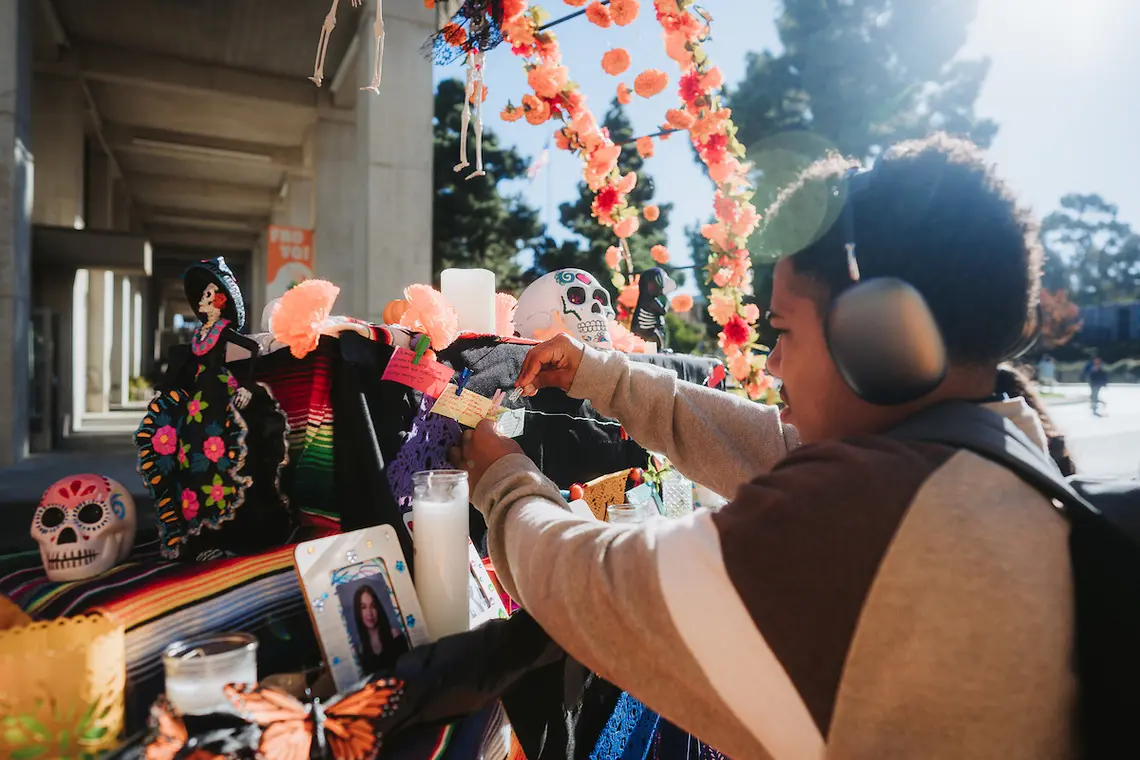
(378,638)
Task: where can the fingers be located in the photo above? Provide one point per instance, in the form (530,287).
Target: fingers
(550,364)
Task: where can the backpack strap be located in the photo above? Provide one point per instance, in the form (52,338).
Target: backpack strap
(986,433)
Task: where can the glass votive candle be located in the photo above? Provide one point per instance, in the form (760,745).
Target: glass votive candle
(626,513)
(197,670)
(439,539)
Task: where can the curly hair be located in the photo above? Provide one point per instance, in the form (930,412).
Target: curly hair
(932,213)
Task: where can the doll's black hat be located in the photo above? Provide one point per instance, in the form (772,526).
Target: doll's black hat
(198,276)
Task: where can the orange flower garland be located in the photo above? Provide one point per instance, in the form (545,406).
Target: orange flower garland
(616,62)
(714,136)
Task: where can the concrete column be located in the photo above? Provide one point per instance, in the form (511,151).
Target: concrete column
(58,119)
(122,338)
(139,288)
(78,349)
(374,173)
(16,193)
(394,149)
(100,337)
(100,189)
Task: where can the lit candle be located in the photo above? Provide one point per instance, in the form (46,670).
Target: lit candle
(472,293)
(439,539)
(198,669)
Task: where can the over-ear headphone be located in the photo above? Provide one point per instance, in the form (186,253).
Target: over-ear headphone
(881,333)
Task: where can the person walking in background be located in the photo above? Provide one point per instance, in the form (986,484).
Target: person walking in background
(1046,372)
(1098,378)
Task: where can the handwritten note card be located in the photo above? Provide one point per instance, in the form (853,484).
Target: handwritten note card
(510,422)
(468,409)
(428,376)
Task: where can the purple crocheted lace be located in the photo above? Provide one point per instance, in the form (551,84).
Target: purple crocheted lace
(425,449)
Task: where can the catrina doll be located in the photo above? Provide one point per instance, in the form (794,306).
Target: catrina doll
(213,442)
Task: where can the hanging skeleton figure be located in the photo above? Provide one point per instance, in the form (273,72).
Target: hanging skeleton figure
(323,43)
(648,320)
(474,95)
(378,61)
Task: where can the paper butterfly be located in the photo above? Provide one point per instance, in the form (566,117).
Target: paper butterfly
(169,736)
(347,726)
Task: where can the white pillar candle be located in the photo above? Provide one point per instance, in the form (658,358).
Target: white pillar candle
(472,293)
(439,539)
(198,669)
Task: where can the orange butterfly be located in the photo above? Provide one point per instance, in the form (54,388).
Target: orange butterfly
(290,726)
(170,735)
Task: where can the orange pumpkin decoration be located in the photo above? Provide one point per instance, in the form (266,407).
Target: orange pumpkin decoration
(393,310)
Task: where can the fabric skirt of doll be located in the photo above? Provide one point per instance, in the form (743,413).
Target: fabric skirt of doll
(214,471)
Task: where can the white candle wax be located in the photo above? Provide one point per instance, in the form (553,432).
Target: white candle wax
(472,293)
(439,539)
(197,670)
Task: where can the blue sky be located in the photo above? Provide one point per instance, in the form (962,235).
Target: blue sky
(1064,87)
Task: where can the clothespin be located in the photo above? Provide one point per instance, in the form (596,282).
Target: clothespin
(515,395)
(461,381)
(496,402)
(421,347)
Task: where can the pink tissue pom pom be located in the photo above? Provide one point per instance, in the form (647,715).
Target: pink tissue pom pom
(505,305)
(430,313)
(297,319)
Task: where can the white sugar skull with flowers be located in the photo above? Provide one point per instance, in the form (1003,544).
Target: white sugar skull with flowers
(566,301)
(85,525)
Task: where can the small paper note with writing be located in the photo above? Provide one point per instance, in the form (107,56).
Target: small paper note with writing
(468,409)
(510,422)
(428,376)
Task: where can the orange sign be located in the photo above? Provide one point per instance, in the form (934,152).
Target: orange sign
(290,253)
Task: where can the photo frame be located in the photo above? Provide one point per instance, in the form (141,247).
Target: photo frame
(484,600)
(359,593)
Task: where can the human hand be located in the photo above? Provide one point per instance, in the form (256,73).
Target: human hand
(479,449)
(552,364)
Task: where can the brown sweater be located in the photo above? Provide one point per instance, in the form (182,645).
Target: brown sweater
(860,599)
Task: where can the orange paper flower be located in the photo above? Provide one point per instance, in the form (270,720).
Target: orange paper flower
(627,227)
(599,14)
(575,3)
(652,213)
(679,119)
(429,4)
(650,82)
(613,255)
(624,12)
(548,81)
(682,302)
(624,94)
(660,254)
(505,305)
(511,113)
(432,314)
(645,147)
(616,62)
(298,317)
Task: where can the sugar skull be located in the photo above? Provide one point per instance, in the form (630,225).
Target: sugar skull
(85,525)
(566,300)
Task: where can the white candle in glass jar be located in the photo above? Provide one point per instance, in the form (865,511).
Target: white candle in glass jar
(198,669)
(472,293)
(439,538)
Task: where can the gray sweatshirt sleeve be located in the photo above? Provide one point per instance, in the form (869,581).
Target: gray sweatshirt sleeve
(717,439)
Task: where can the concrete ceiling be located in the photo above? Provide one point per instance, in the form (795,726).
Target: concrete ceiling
(204,105)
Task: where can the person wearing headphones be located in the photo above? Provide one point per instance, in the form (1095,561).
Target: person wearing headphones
(861,595)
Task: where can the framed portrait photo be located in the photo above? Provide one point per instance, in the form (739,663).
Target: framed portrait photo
(360,596)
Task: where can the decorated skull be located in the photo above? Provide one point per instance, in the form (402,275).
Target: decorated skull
(566,300)
(85,524)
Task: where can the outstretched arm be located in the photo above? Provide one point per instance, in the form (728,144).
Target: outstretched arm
(717,439)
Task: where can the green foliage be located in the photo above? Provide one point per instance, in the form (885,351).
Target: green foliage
(578,218)
(1091,253)
(474,224)
(854,76)
(685,337)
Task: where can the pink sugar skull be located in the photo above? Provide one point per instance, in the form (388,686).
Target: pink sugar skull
(85,525)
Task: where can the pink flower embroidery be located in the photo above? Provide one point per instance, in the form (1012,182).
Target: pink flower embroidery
(194,407)
(232,382)
(183,456)
(214,448)
(189,504)
(217,494)
(166,440)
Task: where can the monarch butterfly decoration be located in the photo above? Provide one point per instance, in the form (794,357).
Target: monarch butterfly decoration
(170,739)
(344,729)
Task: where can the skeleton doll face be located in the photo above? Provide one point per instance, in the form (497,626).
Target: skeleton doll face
(566,300)
(85,525)
(207,304)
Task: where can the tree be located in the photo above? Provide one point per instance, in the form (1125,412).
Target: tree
(1060,319)
(854,76)
(1090,252)
(577,217)
(474,225)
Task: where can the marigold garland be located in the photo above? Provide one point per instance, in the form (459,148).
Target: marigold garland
(711,131)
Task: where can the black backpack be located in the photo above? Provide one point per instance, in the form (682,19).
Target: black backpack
(1104,549)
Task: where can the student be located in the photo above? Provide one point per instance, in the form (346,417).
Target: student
(1046,372)
(1098,379)
(862,596)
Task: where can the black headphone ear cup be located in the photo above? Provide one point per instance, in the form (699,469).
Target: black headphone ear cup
(885,342)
